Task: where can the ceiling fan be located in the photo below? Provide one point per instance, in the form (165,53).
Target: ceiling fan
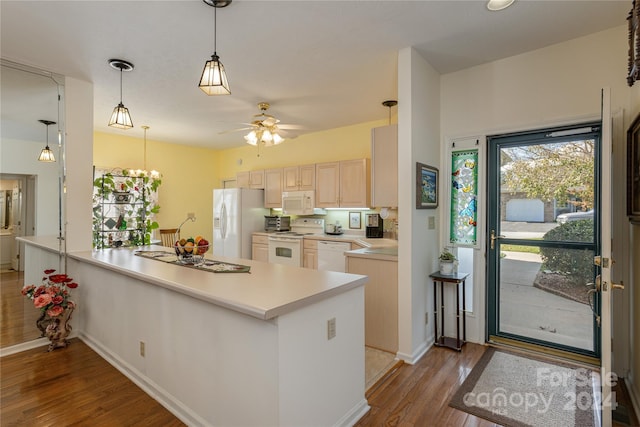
(265,128)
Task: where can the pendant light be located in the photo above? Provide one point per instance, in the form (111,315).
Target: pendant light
(389,104)
(496,5)
(143,172)
(214,79)
(46,155)
(121,118)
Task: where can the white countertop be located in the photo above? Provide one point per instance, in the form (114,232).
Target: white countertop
(382,253)
(270,290)
(50,243)
(359,239)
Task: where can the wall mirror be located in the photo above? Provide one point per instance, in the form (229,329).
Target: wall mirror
(32,199)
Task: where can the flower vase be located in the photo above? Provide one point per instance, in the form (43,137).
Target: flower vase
(59,329)
(42,323)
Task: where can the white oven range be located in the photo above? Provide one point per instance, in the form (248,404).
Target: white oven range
(285,247)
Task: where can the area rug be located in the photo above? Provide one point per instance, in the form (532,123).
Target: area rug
(520,390)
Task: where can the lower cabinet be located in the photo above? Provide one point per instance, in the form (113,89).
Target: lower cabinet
(310,254)
(380,301)
(260,247)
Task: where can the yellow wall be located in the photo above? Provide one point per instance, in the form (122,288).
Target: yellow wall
(349,142)
(189,174)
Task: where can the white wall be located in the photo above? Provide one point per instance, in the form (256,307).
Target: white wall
(555,85)
(79,158)
(21,157)
(418,141)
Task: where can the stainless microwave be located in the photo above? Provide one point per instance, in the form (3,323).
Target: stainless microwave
(298,202)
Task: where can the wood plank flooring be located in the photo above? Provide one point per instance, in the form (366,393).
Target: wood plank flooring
(18,315)
(76,387)
(73,387)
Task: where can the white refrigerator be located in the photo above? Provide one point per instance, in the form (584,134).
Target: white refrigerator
(237,212)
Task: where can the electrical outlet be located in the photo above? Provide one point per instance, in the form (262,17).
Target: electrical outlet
(142,348)
(432,223)
(331,328)
(191,215)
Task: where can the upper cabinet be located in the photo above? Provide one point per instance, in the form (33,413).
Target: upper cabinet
(250,179)
(384,166)
(299,178)
(343,184)
(273,188)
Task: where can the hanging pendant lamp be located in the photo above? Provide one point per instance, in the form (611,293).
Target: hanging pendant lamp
(120,118)
(46,155)
(214,79)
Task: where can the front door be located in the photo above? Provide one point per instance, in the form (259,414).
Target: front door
(543,234)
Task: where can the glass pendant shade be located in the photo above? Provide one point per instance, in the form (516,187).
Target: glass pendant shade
(214,79)
(46,155)
(496,5)
(120,118)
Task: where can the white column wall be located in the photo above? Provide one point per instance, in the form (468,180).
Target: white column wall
(418,141)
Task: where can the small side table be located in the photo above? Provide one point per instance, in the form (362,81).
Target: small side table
(456,279)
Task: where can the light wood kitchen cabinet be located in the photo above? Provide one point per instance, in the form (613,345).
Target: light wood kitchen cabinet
(250,179)
(299,178)
(260,247)
(273,188)
(343,184)
(384,166)
(243,179)
(380,301)
(310,254)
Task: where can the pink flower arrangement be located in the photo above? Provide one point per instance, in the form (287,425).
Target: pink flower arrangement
(52,297)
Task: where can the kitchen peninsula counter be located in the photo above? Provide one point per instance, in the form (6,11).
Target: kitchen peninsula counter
(279,346)
(268,291)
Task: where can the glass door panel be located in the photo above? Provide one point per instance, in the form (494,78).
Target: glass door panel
(543,228)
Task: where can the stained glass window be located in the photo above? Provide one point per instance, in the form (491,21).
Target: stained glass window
(464,193)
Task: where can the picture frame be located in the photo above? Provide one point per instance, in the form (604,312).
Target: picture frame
(354,220)
(634,43)
(633,171)
(427,182)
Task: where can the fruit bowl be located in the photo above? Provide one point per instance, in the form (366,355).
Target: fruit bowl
(191,251)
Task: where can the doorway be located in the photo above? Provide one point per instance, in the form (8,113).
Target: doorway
(543,229)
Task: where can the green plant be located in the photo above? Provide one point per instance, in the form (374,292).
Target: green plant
(141,206)
(445,255)
(576,264)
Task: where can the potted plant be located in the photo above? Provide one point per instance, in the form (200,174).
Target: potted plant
(447,262)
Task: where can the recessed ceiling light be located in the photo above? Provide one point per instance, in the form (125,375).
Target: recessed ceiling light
(494,5)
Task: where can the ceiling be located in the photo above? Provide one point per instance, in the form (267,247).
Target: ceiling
(320,64)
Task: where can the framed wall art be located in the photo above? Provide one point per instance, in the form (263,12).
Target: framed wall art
(633,171)
(634,43)
(354,220)
(426,186)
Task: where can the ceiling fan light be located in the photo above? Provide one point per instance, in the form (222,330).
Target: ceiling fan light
(495,5)
(46,155)
(277,139)
(266,136)
(120,118)
(251,138)
(214,79)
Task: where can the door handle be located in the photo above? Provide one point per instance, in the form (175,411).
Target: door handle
(594,290)
(494,238)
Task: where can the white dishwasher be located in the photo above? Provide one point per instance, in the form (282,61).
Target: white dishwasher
(331,255)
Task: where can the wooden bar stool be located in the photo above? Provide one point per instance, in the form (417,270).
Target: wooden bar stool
(168,236)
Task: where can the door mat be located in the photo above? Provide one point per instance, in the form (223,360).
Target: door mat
(520,390)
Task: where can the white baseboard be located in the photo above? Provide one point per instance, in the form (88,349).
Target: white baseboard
(156,392)
(40,342)
(413,358)
(352,417)
(635,398)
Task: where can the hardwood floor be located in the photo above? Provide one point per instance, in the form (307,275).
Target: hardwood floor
(76,387)
(18,318)
(418,395)
(73,387)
